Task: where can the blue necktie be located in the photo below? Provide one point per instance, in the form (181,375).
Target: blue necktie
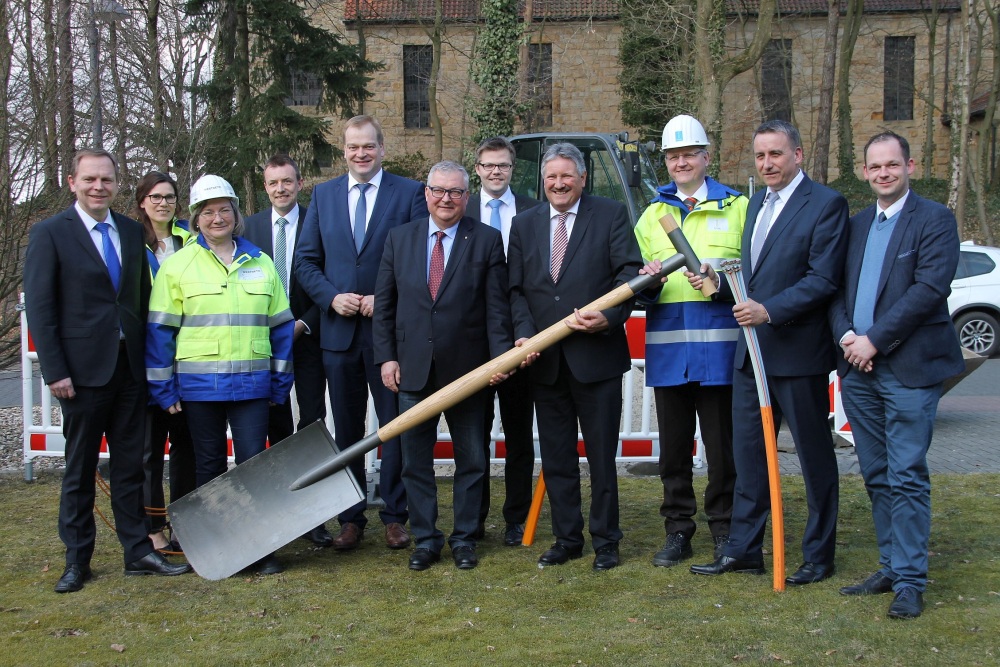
(495,214)
(110,256)
(360,213)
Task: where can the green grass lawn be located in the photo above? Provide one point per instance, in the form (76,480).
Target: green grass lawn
(367,608)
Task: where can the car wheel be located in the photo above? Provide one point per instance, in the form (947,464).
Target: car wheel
(978,332)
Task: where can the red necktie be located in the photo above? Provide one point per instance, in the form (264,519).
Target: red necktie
(437,266)
(559,242)
(690,202)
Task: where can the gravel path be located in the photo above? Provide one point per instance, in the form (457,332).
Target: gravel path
(11,444)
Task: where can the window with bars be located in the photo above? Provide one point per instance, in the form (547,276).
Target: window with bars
(897,87)
(307,89)
(539,81)
(416,80)
(776,80)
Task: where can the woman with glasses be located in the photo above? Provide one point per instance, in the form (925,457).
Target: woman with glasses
(156,207)
(219,338)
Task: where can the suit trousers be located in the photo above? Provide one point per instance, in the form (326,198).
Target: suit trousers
(465,424)
(517,413)
(207,421)
(597,407)
(893,426)
(116,411)
(351,374)
(160,426)
(805,401)
(676,411)
(310,392)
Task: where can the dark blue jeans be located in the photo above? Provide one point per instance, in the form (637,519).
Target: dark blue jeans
(207,422)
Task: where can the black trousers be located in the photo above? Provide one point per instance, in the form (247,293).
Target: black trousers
(676,411)
(310,391)
(517,413)
(161,425)
(116,411)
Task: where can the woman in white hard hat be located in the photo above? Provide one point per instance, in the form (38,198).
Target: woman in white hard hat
(219,338)
(156,208)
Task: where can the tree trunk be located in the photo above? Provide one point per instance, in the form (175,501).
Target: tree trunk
(432,85)
(67,112)
(960,119)
(121,125)
(821,149)
(987,134)
(932,25)
(156,91)
(852,25)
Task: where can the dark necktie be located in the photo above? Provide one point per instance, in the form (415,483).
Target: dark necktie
(360,213)
(110,256)
(559,242)
(437,266)
(495,214)
(690,202)
(281,253)
(881,219)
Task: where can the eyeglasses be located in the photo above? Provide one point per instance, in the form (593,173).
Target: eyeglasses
(688,157)
(209,216)
(489,166)
(453,193)
(158,199)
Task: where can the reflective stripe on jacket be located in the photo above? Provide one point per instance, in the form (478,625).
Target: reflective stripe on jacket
(689,337)
(218,333)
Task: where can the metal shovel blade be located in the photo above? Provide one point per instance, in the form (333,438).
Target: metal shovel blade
(249,512)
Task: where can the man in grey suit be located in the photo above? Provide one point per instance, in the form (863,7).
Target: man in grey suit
(441,311)
(86,284)
(496,205)
(562,257)
(891,320)
(276,231)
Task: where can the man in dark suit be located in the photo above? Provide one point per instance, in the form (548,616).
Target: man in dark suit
(496,205)
(339,253)
(793,256)
(891,319)
(441,310)
(561,257)
(276,232)
(86,286)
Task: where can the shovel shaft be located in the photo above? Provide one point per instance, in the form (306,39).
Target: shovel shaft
(478,379)
(531,525)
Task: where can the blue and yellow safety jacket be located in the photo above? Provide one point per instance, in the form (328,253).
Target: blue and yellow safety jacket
(217,332)
(689,337)
(178,228)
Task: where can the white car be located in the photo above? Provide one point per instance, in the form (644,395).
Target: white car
(974,303)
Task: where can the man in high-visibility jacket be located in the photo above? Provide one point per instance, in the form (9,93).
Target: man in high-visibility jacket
(691,340)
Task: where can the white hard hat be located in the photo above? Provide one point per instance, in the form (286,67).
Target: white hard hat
(683,131)
(211,186)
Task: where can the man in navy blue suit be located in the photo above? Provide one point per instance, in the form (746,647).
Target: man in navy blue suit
(339,254)
(793,257)
(441,310)
(891,319)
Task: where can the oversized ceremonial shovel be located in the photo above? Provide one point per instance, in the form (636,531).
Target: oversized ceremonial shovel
(278,495)
(731,269)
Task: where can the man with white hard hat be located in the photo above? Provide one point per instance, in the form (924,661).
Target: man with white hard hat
(691,339)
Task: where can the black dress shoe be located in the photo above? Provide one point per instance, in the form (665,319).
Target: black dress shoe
(422,558)
(269,564)
(606,558)
(513,534)
(909,603)
(558,554)
(876,584)
(73,577)
(465,557)
(676,549)
(155,563)
(810,573)
(319,536)
(724,564)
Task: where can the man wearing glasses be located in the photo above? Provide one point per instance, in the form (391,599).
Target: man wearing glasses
(496,206)
(340,249)
(441,311)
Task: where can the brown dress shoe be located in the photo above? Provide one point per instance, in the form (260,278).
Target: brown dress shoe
(349,538)
(396,536)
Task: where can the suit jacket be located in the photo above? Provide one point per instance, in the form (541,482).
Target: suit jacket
(912,331)
(73,310)
(328,262)
(797,274)
(602,254)
(258,232)
(521,204)
(468,323)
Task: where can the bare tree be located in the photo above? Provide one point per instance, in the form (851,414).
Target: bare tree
(845,131)
(960,117)
(824,120)
(929,98)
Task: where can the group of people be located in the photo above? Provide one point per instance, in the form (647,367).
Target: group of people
(388,286)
